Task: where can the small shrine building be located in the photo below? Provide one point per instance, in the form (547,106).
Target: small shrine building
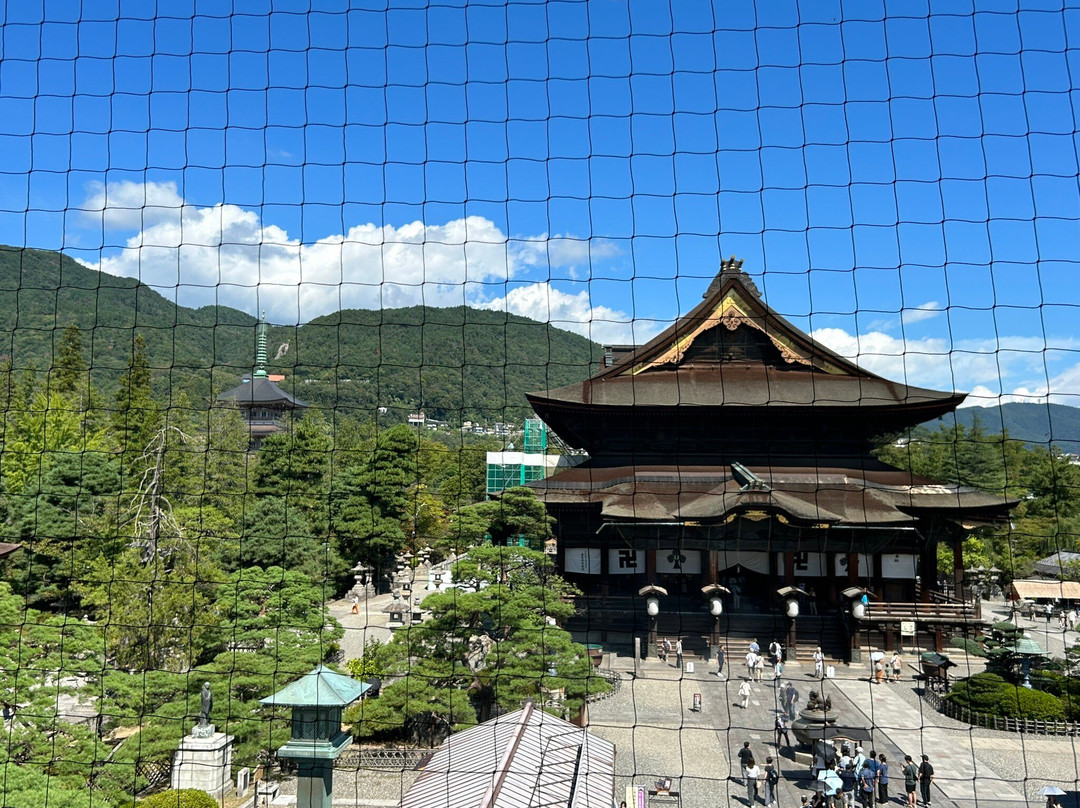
(734,450)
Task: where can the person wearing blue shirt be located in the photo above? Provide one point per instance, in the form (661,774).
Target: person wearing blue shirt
(867,778)
(883,780)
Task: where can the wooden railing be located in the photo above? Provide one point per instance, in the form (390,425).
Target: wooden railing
(1003,723)
(924,612)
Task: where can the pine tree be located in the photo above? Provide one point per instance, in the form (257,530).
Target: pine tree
(69,368)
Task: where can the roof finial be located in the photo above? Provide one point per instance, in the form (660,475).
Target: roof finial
(260,347)
(731,268)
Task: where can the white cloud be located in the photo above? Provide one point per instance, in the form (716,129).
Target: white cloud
(575,312)
(225,254)
(922,312)
(976,365)
(1064,388)
(130,205)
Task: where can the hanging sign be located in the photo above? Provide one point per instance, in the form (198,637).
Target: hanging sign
(678,562)
(865,570)
(582,560)
(625,562)
(807,565)
(899,565)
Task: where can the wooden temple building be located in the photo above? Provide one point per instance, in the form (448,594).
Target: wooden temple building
(734,451)
(265,405)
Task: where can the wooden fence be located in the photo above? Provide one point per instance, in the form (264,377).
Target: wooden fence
(1004,723)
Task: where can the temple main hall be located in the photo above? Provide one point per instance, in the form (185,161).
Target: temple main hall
(730,460)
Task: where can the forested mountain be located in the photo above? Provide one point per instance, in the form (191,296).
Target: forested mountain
(1037,424)
(452,363)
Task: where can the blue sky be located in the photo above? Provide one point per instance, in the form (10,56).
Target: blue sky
(901,178)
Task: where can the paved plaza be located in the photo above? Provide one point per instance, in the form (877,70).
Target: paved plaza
(659,735)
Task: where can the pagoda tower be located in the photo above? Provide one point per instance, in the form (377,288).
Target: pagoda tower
(265,405)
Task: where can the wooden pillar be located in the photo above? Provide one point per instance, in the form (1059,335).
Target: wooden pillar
(853,568)
(789,569)
(958,565)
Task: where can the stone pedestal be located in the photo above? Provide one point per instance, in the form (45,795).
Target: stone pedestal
(204,764)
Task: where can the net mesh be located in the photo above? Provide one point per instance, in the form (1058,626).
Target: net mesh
(401,340)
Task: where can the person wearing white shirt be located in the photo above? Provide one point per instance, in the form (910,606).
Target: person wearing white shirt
(819,664)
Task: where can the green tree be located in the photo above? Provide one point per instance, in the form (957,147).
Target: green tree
(136,416)
(515,516)
(276,609)
(278,534)
(155,611)
(497,638)
(69,375)
(55,525)
(292,464)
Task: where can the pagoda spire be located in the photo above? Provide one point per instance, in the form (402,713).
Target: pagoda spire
(260,348)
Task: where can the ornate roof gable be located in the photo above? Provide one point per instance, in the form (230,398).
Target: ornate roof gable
(733,302)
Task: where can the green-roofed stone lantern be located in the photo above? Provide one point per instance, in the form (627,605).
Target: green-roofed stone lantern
(317,700)
(1027,649)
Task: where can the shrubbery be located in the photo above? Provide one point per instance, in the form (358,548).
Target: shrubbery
(971,646)
(991,694)
(179,798)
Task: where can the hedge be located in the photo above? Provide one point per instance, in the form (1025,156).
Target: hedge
(179,798)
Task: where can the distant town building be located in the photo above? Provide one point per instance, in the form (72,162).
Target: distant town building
(512,468)
(416,419)
(264,405)
(1055,565)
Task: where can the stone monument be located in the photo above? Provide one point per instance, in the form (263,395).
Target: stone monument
(204,759)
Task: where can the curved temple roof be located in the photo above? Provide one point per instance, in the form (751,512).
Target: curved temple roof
(762,361)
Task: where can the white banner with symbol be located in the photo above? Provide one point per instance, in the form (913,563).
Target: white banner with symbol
(625,562)
(582,560)
(807,565)
(866,565)
(680,562)
(899,565)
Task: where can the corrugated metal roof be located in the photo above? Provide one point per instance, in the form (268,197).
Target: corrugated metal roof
(525,759)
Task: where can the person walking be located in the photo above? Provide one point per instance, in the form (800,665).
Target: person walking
(819,664)
(926,777)
(720,662)
(911,779)
(745,756)
(772,778)
(777,671)
(753,774)
(678,653)
(782,731)
(751,661)
(759,667)
(793,700)
(744,694)
(879,672)
(897,665)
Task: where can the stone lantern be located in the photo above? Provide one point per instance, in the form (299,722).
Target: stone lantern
(317,700)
